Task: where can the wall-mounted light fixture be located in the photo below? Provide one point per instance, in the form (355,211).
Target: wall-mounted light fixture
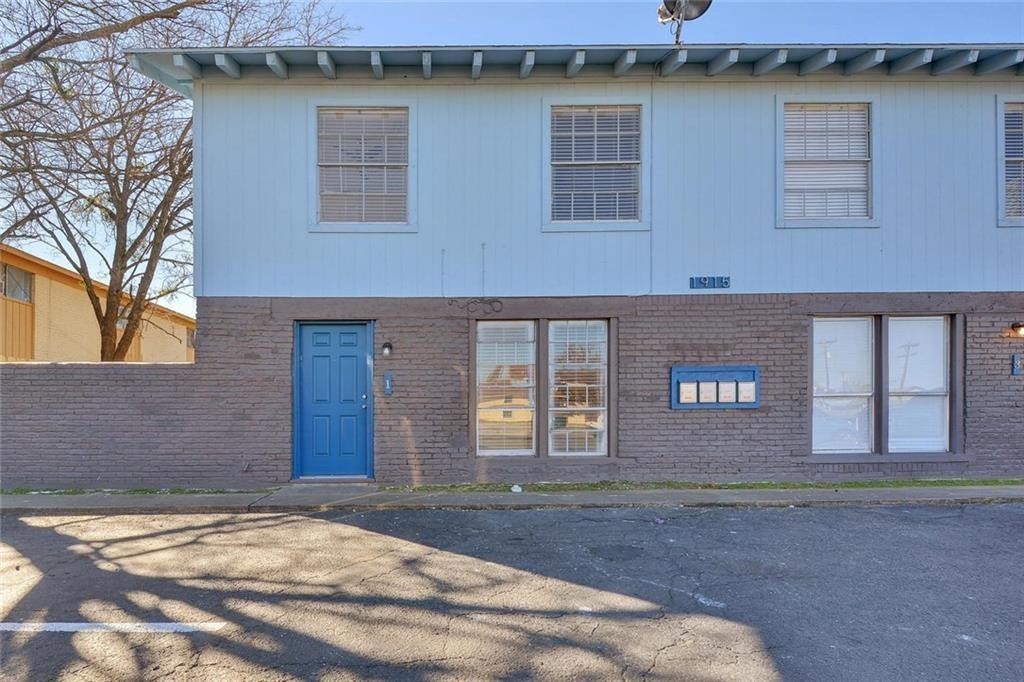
(385,350)
(1017,329)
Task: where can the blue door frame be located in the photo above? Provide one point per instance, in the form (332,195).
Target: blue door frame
(331,460)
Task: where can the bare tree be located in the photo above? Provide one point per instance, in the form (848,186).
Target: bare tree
(34,28)
(38,41)
(119,196)
(100,168)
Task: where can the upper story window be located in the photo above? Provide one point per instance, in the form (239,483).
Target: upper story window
(363,164)
(827,151)
(595,163)
(16,283)
(1013,159)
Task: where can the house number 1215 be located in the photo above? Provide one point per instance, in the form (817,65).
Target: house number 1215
(716,282)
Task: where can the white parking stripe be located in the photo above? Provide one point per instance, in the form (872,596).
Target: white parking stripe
(112,627)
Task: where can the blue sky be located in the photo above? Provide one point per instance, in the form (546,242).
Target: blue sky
(494,22)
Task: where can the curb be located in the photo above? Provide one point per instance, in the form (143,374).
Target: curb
(504,506)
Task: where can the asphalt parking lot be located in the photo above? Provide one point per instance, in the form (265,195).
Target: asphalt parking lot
(715,593)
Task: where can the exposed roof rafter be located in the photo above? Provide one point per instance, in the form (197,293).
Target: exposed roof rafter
(672,62)
(771,61)
(478,64)
(228,65)
(427,60)
(575,63)
(957,60)
(158,75)
(183,61)
(723,62)
(377,64)
(326,64)
(1000,62)
(912,61)
(277,65)
(526,64)
(624,63)
(868,60)
(819,61)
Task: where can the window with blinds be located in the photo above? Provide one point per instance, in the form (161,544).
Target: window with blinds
(1013,155)
(827,160)
(595,163)
(578,387)
(506,357)
(363,164)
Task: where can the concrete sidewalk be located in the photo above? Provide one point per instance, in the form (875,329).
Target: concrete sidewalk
(306,497)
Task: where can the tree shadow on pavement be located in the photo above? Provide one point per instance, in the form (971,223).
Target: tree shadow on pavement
(402,596)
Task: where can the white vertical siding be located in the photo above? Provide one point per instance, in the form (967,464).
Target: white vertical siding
(479,150)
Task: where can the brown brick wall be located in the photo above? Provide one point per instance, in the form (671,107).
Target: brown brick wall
(227,420)
(769,442)
(421,430)
(994,422)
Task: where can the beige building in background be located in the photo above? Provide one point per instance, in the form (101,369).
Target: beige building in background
(46,316)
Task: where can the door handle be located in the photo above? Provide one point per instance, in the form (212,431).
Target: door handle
(364,407)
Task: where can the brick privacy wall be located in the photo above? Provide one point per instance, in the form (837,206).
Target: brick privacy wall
(226,421)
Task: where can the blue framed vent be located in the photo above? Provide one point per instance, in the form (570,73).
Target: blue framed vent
(736,387)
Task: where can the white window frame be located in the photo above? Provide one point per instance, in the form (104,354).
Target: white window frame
(874,173)
(550,384)
(644,221)
(880,394)
(532,452)
(312,179)
(871,395)
(947,369)
(1003,219)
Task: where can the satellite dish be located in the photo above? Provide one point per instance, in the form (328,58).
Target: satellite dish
(675,12)
(687,10)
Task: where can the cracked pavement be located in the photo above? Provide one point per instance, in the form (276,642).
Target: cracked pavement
(714,593)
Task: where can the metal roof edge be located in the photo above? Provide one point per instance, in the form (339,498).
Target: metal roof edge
(571,46)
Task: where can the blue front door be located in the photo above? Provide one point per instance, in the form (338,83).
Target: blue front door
(333,401)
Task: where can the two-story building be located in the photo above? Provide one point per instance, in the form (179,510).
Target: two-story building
(635,262)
